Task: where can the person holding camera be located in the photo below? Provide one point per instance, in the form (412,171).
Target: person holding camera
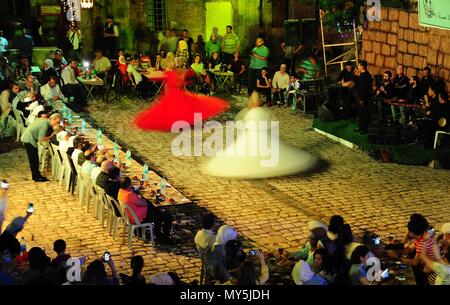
(96,273)
(253,271)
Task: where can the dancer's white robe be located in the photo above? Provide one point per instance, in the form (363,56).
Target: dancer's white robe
(256,153)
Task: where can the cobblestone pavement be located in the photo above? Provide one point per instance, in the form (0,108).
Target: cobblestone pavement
(268,213)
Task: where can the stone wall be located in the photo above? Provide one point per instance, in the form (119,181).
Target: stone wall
(399,39)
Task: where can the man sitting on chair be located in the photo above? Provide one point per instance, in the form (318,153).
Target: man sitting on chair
(51,91)
(71,86)
(280,84)
(146,212)
(101,64)
(135,76)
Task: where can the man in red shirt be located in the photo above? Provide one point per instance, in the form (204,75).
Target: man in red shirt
(146,212)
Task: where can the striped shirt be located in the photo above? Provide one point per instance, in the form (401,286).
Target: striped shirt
(230,42)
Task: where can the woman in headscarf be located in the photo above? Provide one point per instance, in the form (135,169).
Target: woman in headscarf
(48,71)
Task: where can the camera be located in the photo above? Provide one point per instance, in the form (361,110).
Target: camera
(30,208)
(106,257)
(376,240)
(252,252)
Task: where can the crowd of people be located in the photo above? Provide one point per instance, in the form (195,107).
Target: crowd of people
(331,255)
(399,100)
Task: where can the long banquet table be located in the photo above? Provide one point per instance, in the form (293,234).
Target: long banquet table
(147,189)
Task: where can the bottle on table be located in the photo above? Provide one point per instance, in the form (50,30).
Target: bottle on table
(128,159)
(145,172)
(83,126)
(99,136)
(163,185)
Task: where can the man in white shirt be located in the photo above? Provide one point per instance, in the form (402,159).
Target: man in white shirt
(51,91)
(71,86)
(205,238)
(280,83)
(77,145)
(133,73)
(101,64)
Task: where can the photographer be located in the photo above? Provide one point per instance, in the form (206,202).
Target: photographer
(248,272)
(96,273)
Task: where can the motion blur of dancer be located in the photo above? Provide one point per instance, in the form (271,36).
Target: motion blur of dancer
(257,151)
(176,105)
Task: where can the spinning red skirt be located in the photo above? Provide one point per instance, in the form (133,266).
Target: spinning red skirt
(178,105)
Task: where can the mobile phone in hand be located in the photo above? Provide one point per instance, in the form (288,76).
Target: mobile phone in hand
(30,208)
(106,257)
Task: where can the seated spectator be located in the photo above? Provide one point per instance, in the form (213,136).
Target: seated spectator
(23,68)
(101,64)
(22,104)
(215,257)
(322,265)
(199,69)
(98,163)
(96,274)
(86,146)
(51,91)
(205,238)
(214,62)
(59,246)
(250,274)
(59,62)
(234,256)
(18,95)
(71,86)
(357,273)
(135,76)
(31,84)
(48,72)
(77,145)
(182,53)
(169,63)
(280,85)
(440,267)
(418,228)
(157,65)
(89,164)
(63,141)
(146,212)
(35,110)
(334,227)
(310,68)
(41,271)
(136,279)
(165,278)
(303,275)
(238,68)
(108,179)
(263,86)
(122,64)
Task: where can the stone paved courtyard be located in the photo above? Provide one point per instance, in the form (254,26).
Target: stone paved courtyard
(268,214)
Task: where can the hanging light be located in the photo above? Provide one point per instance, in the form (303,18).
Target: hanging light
(87,3)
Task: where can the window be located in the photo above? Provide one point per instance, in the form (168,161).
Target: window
(157,15)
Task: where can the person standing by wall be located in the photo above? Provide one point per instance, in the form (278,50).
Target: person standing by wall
(230,44)
(259,59)
(111,33)
(74,36)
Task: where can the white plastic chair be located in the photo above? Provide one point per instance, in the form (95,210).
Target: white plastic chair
(115,219)
(19,123)
(59,173)
(127,212)
(437,135)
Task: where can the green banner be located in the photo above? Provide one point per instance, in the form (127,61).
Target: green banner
(434,13)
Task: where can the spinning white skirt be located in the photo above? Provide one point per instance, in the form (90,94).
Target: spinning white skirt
(258,152)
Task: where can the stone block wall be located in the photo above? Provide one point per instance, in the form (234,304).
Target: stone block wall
(399,39)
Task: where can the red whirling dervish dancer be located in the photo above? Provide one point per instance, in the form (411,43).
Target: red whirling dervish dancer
(178,104)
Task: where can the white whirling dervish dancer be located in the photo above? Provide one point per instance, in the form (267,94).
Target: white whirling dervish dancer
(257,150)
